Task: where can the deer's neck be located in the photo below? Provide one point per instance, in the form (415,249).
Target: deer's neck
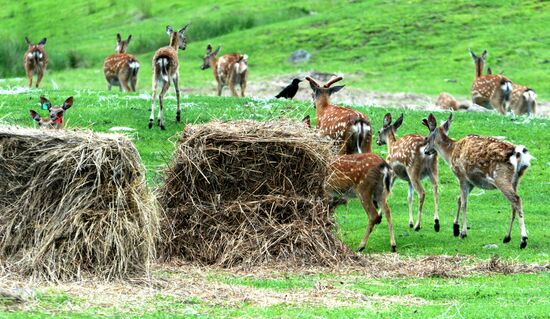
(446,147)
(214,65)
(390,140)
(479,69)
(321,104)
(174,41)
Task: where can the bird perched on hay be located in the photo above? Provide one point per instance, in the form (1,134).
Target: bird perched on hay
(290,91)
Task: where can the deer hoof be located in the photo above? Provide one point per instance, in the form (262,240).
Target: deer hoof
(360,249)
(150,123)
(417,228)
(456,230)
(523,242)
(178,117)
(506,239)
(436,225)
(463,235)
(162,127)
(411,225)
(393,248)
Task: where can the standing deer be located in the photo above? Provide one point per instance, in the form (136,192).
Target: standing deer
(349,126)
(407,159)
(166,69)
(230,69)
(483,162)
(369,176)
(35,60)
(55,119)
(121,69)
(492,90)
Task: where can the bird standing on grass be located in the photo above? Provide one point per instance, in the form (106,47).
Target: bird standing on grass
(290,91)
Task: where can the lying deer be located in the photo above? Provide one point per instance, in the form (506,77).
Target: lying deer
(523,100)
(55,119)
(482,162)
(352,128)
(407,159)
(492,90)
(35,60)
(230,69)
(446,101)
(121,69)
(166,69)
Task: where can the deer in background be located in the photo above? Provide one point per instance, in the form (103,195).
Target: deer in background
(121,69)
(166,69)
(407,159)
(492,90)
(483,162)
(230,69)
(55,119)
(349,126)
(35,60)
(446,101)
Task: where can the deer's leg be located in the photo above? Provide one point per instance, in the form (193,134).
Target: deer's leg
(165,87)
(433,179)
(152,116)
(39,77)
(243,85)
(176,86)
(219,89)
(410,202)
(374,218)
(417,184)
(456,227)
(465,189)
(29,76)
(387,212)
(231,85)
(510,193)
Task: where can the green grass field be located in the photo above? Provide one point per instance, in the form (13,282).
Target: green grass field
(388,46)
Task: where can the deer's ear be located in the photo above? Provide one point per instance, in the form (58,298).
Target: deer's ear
(43,41)
(398,122)
(432,122)
(489,71)
(335,89)
(184,29)
(484,55)
(425,123)
(447,124)
(129,39)
(169,29)
(217,50)
(387,120)
(34,115)
(208,48)
(45,104)
(68,103)
(118,38)
(472,54)
(27,41)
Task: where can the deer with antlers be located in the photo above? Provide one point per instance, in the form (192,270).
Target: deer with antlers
(56,113)
(349,126)
(166,69)
(409,162)
(491,90)
(230,69)
(483,162)
(35,60)
(121,69)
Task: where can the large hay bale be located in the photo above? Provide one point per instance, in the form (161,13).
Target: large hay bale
(249,192)
(73,204)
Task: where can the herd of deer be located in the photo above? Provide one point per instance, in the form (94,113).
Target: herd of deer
(476,161)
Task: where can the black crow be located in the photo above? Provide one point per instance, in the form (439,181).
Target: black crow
(290,91)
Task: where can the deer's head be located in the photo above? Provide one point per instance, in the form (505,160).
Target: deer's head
(437,135)
(208,57)
(122,45)
(55,119)
(388,129)
(321,93)
(35,50)
(179,35)
(479,61)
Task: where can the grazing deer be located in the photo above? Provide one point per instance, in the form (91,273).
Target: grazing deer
(483,162)
(230,69)
(166,69)
(55,119)
(492,90)
(121,69)
(523,100)
(446,101)
(35,60)
(345,124)
(370,177)
(407,159)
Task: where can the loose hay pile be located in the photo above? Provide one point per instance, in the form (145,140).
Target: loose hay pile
(74,203)
(248,193)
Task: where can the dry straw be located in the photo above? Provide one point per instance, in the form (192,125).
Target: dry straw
(249,192)
(74,203)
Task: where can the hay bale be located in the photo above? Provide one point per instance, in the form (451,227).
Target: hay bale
(248,193)
(74,203)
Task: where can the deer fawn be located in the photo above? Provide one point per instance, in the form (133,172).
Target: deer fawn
(35,60)
(370,177)
(166,69)
(230,69)
(446,101)
(121,69)
(345,124)
(407,159)
(482,162)
(492,90)
(523,100)
(55,119)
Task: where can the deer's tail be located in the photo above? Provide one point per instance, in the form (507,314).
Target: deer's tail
(133,64)
(163,63)
(361,132)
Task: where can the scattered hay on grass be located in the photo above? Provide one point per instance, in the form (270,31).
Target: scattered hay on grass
(74,203)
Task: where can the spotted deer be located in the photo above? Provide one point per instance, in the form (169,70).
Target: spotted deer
(35,60)
(230,69)
(446,101)
(369,176)
(56,113)
(407,159)
(492,90)
(483,162)
(352,128)
(523,100)
(166,69)
(121,69)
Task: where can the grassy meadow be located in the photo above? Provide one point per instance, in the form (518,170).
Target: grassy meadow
(386,46)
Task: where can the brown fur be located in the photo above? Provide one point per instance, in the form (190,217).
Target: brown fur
(37,63)
(519,104)
(445,101)
(56,113)
(118,69)
(229,70)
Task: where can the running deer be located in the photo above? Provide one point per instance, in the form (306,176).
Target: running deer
(35,60)
(369,176)
(446,101)
(492,90)
(166,69)
(55,119)
(483,162)
(230,69)
(121,69)
(407,159)
(349,126)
